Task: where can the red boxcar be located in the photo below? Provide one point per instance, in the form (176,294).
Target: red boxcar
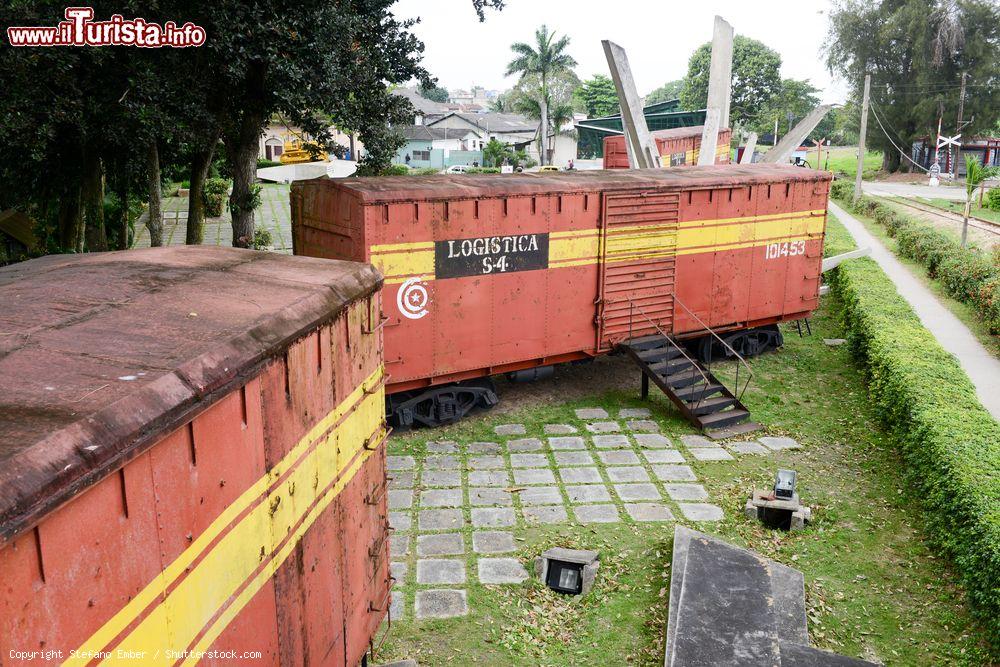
(491,274)
(192,459)
(678,147)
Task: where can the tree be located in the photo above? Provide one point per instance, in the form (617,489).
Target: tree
(916,52)
(598,96)
(545,60)
(975,174)
(794,99)
(434,93)
(756,79)
(671,90)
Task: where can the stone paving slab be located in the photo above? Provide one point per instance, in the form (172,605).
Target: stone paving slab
(441,498)
(674,473)
(747,448)
(653,441)
(701,511)
(400,521)
(534,476)
(484,447)
(489,496)
(546,514)
(596,513)
(603,427)
(643,426)
(399,546)
(776,444)
(628,474)
(487,462)
(489,478)
(442,447)
(441,478)
(580,475)
(541,495)
(441,604)
(501,571)
(663,456)
(528,460)
(649,512)
(398,570)
(400,499)
(633,413)
(397,607)
(629,492)
(610,441)
(440,571)
(587,494)
(399,462)
(509,429)
(488,517)
(524,445)
(697,441)
(441,462)
(440,519)
(573,459)
(591,413)
(564,443)
(559,429)
(402,480)
(440,544)
(618,458)
(710,454)
(493,542)
(686,491)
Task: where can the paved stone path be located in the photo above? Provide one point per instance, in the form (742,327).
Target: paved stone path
(981,366)
(457,509)
(274,215)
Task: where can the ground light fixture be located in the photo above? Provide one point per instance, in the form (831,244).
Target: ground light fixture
(784,484)
(779,507)
(569,571)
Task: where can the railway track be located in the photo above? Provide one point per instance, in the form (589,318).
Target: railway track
(978,223)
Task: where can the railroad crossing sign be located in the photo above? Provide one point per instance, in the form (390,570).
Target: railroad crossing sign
(947,141)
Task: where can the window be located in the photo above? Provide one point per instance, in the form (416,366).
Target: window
(422,155)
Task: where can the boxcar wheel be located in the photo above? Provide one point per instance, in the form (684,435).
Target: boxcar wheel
(747,343)
(440,405)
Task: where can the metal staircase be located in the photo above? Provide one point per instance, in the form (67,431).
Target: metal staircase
(700,396)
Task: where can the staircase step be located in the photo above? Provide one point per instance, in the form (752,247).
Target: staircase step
(724,418)
(647,342)
(733,431)
(671,366)
(694,392)
(710,405)
(659,354)
(683,379)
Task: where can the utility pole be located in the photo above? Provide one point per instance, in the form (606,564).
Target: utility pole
(958,130)
(861,142)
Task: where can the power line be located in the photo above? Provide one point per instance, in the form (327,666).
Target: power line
(901,151)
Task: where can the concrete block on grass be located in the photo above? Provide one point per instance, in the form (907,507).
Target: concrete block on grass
(546,514)
(442,544)
(591,413)
(501,571)
(488,517)
(701,511)
(628,474)
(440,571)
(674,473)
(567,442)
(493,542)
(441,604)
(509,429)
(610,441)
(663,456)
(596,513)
(580,475)
(587,494)
(648,512)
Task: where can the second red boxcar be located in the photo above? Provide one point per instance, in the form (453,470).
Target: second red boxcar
(192,459)
(678,147)
(490,274)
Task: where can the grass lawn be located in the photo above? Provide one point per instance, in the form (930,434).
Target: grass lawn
(844,160)
(873,588)
(959,207)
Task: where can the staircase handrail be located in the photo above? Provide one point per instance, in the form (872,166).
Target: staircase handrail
(694,364)
(728,347)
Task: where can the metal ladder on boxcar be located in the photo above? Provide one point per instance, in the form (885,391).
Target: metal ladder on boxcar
(691,386)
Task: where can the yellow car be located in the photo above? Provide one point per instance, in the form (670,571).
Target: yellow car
(548,167)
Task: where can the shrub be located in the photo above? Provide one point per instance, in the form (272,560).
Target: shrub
(424,171)
(185,185)
(395,170)
(483,170)
(213,193)
(264,164)
(842,189)
(988,299)
(992,200)
(262,239)
(950,444)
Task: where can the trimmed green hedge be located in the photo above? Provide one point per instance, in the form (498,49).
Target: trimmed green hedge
(967,274)
(950,443)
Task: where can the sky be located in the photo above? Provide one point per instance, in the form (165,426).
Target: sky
(658,36)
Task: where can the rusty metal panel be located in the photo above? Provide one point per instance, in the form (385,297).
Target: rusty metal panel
(677,147)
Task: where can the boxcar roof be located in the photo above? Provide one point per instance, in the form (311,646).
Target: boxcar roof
(102,354)
(471,186)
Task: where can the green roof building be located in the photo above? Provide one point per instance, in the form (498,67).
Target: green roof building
(660,116)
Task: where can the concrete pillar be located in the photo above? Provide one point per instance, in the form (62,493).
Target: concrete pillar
(751,146)
(720,89)
(709,137)
(781,152)
(642,152)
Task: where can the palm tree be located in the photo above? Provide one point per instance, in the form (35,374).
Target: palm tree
(545,59)
(975,174)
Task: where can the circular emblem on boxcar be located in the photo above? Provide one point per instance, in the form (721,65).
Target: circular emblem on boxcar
(412,299)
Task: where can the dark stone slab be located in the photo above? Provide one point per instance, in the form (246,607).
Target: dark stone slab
(798,655)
